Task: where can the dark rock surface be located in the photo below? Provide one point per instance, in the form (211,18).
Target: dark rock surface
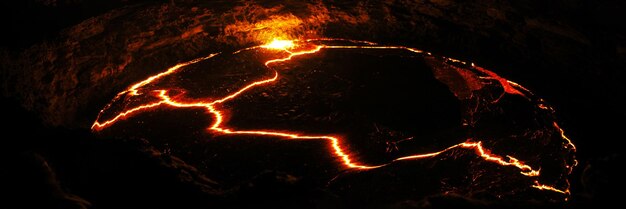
(59,67)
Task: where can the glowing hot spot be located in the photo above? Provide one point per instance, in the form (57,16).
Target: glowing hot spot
(279,44)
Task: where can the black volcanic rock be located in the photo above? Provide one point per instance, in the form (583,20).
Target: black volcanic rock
(59,168)
(380,104)
(29,182)
(64,60)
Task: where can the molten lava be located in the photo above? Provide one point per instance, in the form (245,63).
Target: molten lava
(279,44)
(300,48)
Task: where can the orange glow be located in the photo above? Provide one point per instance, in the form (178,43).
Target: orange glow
(550,188)
(134,88)
(272,27)
(544,106)
(342,39)
(485,154)
(279,44)
(293,54)
(508,86)
(134,91)
(569,142)
(99,126)
(293,49)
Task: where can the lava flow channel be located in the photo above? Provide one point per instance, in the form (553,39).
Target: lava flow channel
(335,142)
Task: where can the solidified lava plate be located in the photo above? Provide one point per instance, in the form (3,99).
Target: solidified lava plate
(338,113)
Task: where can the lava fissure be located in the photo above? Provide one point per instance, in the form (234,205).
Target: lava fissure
(335,142)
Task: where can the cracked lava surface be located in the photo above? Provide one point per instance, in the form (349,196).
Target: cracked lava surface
(157,92)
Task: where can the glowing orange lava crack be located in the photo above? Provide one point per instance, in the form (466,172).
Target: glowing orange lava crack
(292,54)
(338,150)
(540,186)
(134,88)
(134,91)
(485,154)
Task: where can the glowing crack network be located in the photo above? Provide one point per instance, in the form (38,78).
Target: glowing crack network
(304,47)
